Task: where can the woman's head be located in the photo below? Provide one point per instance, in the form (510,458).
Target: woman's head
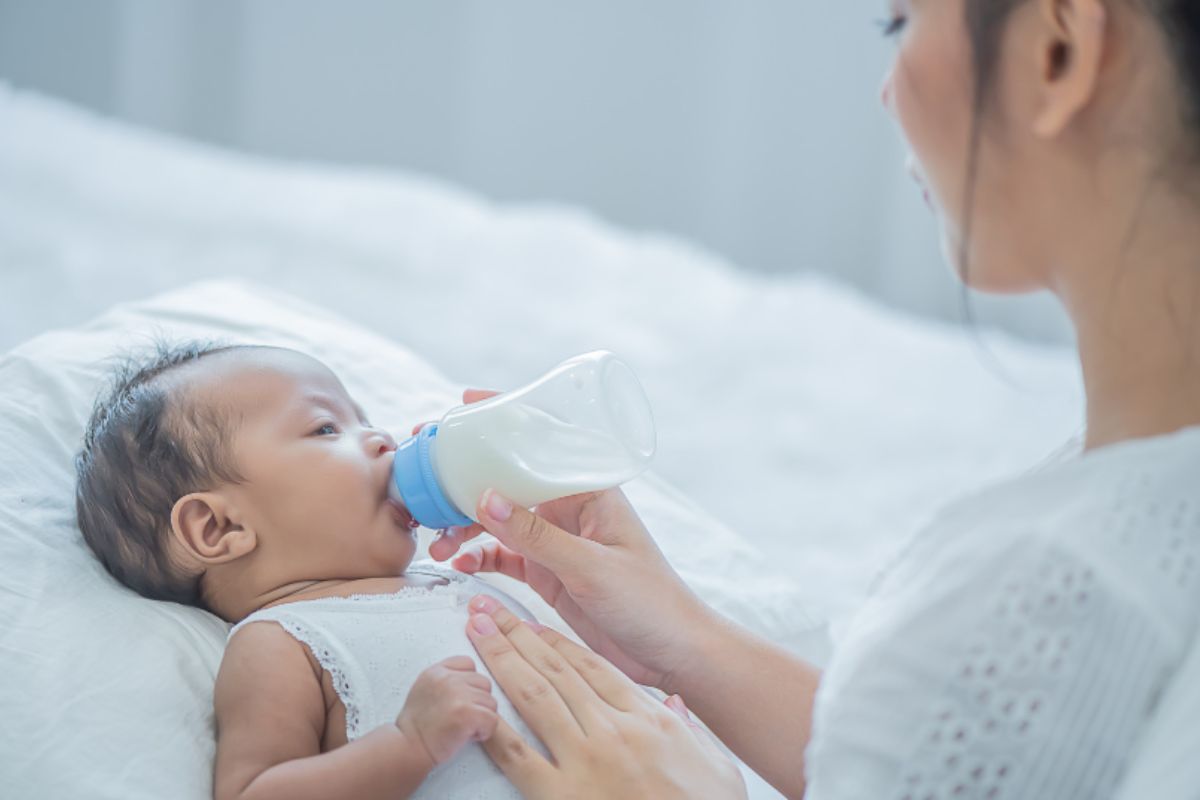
(1034,123)
(215,475)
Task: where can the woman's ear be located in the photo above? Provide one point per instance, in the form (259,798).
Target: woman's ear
(1070,54)
(203,524)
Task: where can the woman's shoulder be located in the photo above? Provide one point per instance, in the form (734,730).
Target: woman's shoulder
(1009,619)
(1125,517)
(995,665)
(1142,491)
(1143,468)
(1083,574)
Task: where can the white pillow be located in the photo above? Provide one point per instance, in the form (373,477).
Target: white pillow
(108,695)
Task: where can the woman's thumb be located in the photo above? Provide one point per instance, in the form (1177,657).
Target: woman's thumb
(531,536)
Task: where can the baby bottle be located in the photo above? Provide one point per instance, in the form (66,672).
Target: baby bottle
(583,426)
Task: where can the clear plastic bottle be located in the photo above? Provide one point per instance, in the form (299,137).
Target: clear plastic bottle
(583,426)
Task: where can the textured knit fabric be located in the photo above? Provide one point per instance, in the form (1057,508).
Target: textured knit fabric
(375,646)
(1018,647)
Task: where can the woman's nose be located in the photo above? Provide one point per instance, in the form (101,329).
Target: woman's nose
(885,91)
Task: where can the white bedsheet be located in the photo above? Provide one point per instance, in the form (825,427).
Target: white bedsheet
(816,423)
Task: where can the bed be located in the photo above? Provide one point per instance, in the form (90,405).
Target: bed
(804,430)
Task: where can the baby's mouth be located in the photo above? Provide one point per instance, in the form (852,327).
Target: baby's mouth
(401,515)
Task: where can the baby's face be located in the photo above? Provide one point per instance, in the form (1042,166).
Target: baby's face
(316,472)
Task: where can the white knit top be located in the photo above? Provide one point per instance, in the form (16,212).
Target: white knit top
(1018,647)
(374,646)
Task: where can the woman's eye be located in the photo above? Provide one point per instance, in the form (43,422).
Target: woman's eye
(893,26)
(320,431)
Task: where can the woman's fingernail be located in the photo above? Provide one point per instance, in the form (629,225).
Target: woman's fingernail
(483,624)
(497,507)
(485,603)
(676,704)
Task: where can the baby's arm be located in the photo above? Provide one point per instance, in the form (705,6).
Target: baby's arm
(271,719)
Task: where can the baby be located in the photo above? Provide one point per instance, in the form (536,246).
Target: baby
(246,481)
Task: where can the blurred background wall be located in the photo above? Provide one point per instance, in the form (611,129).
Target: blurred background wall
(753,128)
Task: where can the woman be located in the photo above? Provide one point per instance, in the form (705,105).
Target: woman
(1018,647)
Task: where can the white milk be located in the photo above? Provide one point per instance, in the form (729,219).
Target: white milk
(583,426)
(526,454)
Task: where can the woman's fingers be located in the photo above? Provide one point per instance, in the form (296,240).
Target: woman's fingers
(612,685)
(564,554)
(451,539)
(523,765)
(475,395)
(491,557)
(702,734)
(581,698)
(469,396)
(535,698)
(675,703)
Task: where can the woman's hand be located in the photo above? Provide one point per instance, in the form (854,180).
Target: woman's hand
(606,736)
(590,557)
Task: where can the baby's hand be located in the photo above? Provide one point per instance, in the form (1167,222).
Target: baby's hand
(449,705)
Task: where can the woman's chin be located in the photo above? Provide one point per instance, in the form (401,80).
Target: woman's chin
(952,257)
(975,273)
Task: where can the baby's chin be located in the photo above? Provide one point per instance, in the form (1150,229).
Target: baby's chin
(400,560)
(395,548)
(379,562)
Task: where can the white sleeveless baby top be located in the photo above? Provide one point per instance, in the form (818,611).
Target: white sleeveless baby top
(375,646)
(1018,647)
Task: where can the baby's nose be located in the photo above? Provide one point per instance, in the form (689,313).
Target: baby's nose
(386,441)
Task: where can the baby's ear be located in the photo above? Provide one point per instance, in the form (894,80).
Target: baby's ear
(202,523)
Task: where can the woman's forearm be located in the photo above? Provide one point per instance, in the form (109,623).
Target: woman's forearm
(755,696)
(382,764)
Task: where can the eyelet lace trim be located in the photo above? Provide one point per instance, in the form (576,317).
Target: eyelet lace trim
(325,657)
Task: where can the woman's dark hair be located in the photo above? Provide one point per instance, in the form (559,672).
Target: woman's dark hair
(985,21)
(146,445)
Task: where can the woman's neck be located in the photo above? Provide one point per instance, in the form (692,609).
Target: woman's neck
(1133,293)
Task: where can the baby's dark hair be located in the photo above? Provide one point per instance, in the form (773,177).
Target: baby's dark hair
(147,444)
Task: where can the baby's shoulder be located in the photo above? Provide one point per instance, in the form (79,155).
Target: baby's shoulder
(269,700)
(263,642)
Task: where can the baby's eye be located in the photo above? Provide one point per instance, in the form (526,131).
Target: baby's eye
(332,428)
